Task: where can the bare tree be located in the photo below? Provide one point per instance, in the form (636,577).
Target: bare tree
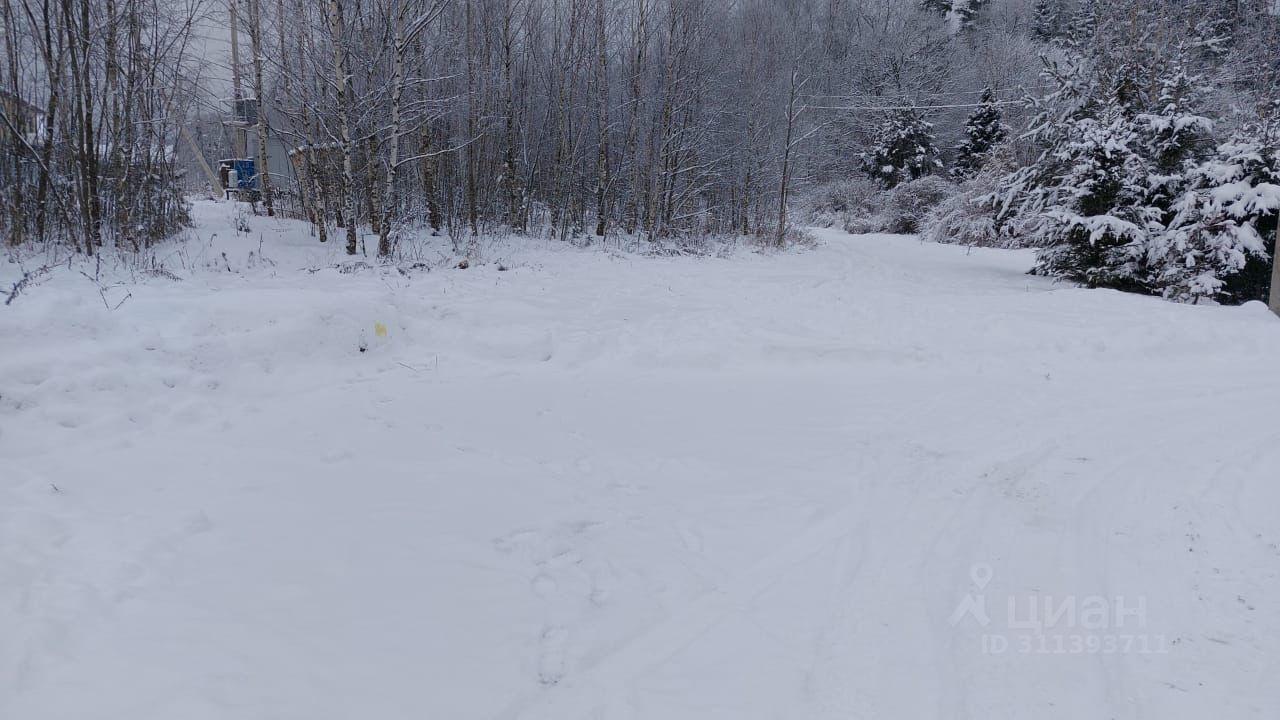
(342,81)
(602,121)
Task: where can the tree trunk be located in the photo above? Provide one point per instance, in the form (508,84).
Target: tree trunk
(16,221)
(434,217)
(510,173)
(1275,277)
(602,117)
(631,153)
(473,124)
(393,164)
(343,81)
(785,179)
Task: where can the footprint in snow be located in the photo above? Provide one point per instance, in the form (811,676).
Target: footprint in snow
(336,456)
(544,585)
(552,649)
(511,542)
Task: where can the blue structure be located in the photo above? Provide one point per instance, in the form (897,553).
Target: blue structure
(245,168)
(245,184)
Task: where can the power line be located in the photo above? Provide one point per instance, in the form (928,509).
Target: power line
(912,107)
(994,91)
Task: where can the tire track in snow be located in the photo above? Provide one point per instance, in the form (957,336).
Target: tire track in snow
(593,691)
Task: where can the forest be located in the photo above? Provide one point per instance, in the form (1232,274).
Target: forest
(1133,142)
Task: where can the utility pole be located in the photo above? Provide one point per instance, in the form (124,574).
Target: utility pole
(262,165)
(238,136)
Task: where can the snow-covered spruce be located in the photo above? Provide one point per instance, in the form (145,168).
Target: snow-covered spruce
(1047,20)
(959,14)
(904,149)
(1225,220)
(1129,192)
(984,131)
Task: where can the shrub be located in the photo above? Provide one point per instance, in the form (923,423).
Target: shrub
(963,219)
(969,216)
(907,205)
(835,202)
(859,206)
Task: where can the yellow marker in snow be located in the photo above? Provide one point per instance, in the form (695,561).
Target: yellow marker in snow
(379,329)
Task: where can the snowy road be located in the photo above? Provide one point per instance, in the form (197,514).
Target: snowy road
(601,486)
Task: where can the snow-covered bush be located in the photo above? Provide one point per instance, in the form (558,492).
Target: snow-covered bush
(963,219)
(859,206)
(797,237)
(835,202)
(863,224)
(969,216)
(907,205)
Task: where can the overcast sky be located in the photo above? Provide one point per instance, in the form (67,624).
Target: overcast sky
(213,46)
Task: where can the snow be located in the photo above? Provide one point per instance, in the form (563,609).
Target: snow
(603,485)
(1244,199)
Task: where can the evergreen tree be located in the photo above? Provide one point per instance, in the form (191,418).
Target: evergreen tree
(1220,241)
(984,130)
(1083,25)
(965,12)
(1046,20)
(1175,132)
(1176,138)
(1094,228)
(903,150)
(1128,193)
(961,14)
(1084,201)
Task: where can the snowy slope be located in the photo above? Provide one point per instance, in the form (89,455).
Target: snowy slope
(606,486)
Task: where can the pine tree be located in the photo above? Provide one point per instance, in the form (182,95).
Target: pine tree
(904,149)
(1083,24)
(965,12)
(1095,229)
(1220,241)
(984,130)
(1046,20)
(1083,201)
(1175,131)
(1126,195)
(1176,138)
(960,14)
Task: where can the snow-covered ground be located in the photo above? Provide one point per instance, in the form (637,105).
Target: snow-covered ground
(839,483)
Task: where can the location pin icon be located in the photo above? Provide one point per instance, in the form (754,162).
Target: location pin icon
(981,574)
